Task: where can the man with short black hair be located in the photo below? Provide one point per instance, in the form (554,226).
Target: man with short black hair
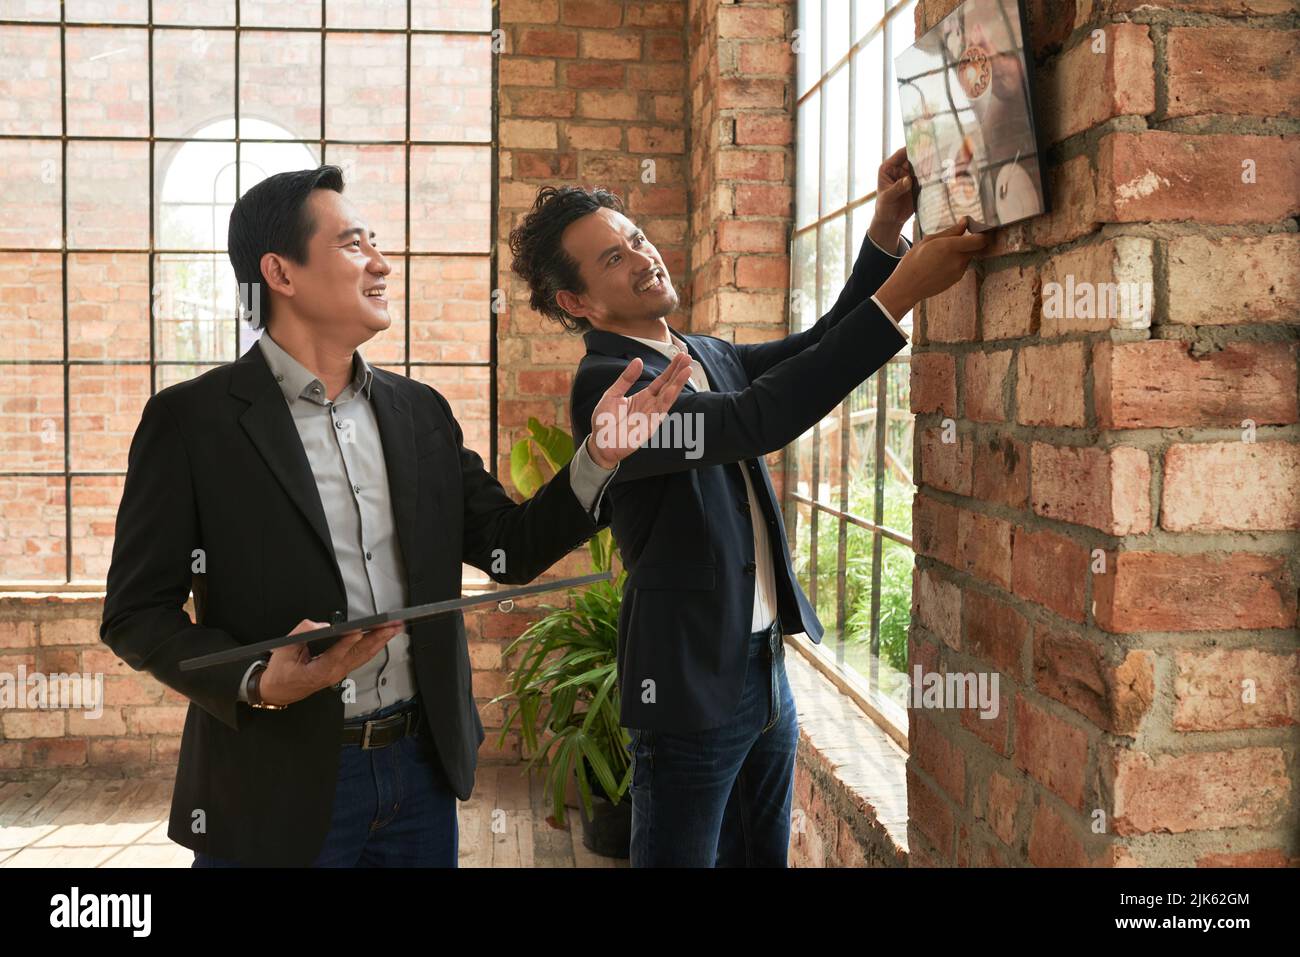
(308,487)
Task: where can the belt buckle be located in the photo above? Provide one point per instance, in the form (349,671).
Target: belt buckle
(365,734)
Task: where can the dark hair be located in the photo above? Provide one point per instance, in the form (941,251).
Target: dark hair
(272,217)
(541,261)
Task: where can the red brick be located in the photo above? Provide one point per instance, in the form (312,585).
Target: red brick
(735,22)
(1104,488)
(1244,71)
(1099,286)
(752,93)
(1051,570)
(159,720)
(1054,841)
(666,47)
(762,129)
(762,200)
(763,272)
(934,528)
(991,729)
(539,103)
(119,752)
(994,632)
(1159,384)
(1084,88)
(1239,486)
(950,316)
(1003,799)
(593,13)
(1267,857)
(1199,791)
(593,137)
(1157,591)
(610,46)
(18,634)
(1209,687)
(1215,282)
(529,11)
(946,465)
(937,606)
(751,237)
(1049,385)
(933,382)
(1009,303)
(585,76)
(1159,176)
(532,73)
(552,43)
(751,165)
(1074,207)
(609,106)
(984,547)
(1075,672)
(930,813)
(647,14)
(1052,751)
(984,377)
(767,59)
(1001,472)
(936,755)
(54,753)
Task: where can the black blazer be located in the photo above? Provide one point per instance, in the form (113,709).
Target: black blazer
(216,464)
(682,524)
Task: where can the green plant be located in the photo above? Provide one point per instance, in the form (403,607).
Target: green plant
(566,682)
(895,572)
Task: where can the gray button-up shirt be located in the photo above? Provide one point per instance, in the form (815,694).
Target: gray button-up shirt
(343,446)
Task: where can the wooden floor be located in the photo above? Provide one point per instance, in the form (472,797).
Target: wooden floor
(69,822)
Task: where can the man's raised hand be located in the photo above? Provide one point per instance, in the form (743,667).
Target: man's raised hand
(621,424)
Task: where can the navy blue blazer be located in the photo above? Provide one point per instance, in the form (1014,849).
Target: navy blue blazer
(682,523)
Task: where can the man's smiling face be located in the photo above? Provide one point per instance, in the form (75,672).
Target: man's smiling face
(341,286)
(626,282)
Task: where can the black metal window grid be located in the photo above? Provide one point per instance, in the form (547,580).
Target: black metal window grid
(845,80)
(487,31)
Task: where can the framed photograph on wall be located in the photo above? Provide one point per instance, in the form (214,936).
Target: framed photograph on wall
(966,98)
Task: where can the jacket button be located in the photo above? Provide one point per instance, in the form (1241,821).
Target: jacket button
(749,568)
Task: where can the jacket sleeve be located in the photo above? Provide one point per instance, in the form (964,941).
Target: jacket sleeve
(526,538)
(149,576)
(714,428)
(872,267)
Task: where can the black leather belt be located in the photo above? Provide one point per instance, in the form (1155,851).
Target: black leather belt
(381,732)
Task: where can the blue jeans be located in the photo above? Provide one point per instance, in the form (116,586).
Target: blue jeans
(721,797)
(393,807)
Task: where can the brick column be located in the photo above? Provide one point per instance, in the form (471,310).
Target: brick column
(591,92)
(1110,497)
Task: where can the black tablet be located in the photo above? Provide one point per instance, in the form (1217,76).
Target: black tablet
(412,614)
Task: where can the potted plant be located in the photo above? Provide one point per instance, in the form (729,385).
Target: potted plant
(565,683)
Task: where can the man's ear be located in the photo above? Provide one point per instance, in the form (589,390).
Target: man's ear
(275,275)
(572,304)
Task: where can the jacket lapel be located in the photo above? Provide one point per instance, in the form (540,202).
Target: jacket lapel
(397,433)
(269,426)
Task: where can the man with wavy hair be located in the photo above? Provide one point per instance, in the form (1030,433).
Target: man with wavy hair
(710,589)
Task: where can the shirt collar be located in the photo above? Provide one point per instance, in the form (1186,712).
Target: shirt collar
(297,381)
(668,349)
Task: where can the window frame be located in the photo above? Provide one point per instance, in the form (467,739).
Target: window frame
(154,252)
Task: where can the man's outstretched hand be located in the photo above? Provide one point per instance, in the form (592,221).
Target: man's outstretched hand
(621,424)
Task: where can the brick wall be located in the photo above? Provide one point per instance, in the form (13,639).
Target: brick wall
(1112,522)
(590,92)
